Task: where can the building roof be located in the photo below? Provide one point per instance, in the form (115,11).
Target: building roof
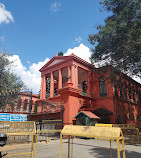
(89,114)
(29,94)
(59,59)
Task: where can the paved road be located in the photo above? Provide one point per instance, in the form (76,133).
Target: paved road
(52,149)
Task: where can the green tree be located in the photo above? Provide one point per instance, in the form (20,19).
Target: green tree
(118,42)
(10,84)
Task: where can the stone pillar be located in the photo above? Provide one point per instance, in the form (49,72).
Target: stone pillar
(51,85)
(88,83)
(43,87)
(60,79)
(76,76)
(41,92)
(73,75)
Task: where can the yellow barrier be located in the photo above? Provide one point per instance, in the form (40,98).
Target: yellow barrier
(103,125)
(126,129)
(106,133)
(20,129)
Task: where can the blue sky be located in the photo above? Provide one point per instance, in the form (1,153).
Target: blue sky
(33,31)
(41,28)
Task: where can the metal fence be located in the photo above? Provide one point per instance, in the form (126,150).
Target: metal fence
(20,135)
(48,129)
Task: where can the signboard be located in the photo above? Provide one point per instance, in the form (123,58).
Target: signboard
(13,117)
(23,117)
(4,117)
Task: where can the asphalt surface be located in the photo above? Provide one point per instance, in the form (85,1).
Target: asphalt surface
(82,148)
(89,150)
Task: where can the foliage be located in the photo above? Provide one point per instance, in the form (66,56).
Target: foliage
(118,43)
(10,84)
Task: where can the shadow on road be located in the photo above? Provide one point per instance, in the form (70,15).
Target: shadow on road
(100,153)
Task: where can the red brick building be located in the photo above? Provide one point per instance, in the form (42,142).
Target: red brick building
(79,86)
(21,104)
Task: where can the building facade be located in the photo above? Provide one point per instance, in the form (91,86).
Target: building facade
(22,103)
(79,86)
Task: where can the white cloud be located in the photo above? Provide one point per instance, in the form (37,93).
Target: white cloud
(81,51)
(55,6)
(78,39)
(5,15)
(31,76)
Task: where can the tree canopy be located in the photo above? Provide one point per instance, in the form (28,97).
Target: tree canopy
(10,84)
(118,42)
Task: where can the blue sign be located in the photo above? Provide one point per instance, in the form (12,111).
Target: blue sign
(4,117)
(13,117)
(23,117)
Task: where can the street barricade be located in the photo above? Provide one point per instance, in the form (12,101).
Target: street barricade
(103,125)
(48,129)
(105,133)
(19,132)
(128,130)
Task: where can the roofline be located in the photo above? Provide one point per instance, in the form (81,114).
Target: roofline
(125,75)
(28,94)
(52,59)
(82,61)
(72,56)
(85,114)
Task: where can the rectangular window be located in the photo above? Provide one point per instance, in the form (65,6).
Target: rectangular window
(102,86)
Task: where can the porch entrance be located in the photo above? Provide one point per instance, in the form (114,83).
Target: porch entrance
(104,114)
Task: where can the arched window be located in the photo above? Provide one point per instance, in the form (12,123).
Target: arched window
(102,87)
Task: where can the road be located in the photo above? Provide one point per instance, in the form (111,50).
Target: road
(52,149)
(89,150)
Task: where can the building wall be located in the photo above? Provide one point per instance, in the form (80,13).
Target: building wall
(24,97)
(74,100)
